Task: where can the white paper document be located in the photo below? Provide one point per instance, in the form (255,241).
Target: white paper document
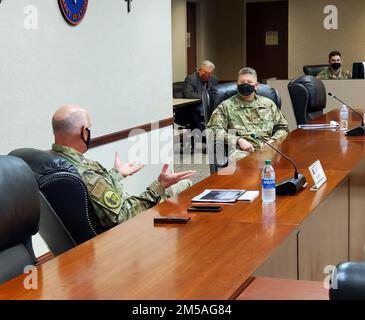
(249,196)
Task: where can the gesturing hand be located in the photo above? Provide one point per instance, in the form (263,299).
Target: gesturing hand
(126,169)
(168,179)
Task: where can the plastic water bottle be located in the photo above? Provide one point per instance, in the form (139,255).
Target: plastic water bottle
(268,183)
(344,118)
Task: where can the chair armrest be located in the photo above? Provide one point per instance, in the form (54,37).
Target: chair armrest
(218,153)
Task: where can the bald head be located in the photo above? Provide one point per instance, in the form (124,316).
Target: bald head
(69,120)
(68,124)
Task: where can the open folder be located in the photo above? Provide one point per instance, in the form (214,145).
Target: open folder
(219,195)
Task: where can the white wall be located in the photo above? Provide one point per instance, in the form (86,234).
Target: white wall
(117,65)
(152,149)
(179,27)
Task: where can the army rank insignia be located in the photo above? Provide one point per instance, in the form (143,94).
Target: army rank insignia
(112,199)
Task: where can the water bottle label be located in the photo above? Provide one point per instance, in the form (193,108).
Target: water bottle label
(268,183)
(344,115)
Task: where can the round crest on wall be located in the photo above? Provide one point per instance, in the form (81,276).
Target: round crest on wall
(73,10)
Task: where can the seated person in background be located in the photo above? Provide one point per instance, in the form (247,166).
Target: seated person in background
(195,82)
(194,85)
(334,72)
(71,128)
(247,113)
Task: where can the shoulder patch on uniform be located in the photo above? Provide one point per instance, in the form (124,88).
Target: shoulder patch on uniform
(99,189)
(112,199)
(93,178)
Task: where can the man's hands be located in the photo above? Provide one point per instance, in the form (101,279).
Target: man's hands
(168,179)
(245,145)
(126,169)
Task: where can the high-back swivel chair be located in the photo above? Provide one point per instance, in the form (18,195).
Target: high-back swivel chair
(348,281)
(19,216)
(67,195)
(216,95)
(218,150)
(308,97)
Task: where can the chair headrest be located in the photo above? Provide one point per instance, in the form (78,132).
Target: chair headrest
(316,90)
(44,162)
(19,199)
(313,70)
(266,91)
(222,92)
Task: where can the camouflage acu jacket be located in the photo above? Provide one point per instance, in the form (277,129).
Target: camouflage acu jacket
(112,205)
(328,74)
(236,118)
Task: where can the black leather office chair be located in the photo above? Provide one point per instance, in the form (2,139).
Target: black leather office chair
(178,89)
(52,229)
(19,216)
(222,92)
(348,281)
(308,97)
(215,96)
(313,70)
(218,150)
(61,185)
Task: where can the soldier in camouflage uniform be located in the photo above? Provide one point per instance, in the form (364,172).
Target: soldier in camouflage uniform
(246,113)
(111,204)
(334,72)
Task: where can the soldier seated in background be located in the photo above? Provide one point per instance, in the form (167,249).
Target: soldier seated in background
(247,113)
(334,71)
(71,128)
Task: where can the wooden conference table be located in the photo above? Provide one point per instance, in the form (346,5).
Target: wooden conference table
(217,255)
(184,102)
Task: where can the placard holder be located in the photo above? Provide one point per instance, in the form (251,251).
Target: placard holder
(314,188)
(318,176)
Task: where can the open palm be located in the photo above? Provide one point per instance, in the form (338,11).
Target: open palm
(168,179)
(126,169)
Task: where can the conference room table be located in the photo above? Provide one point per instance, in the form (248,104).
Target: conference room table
(177,102)
(218,255)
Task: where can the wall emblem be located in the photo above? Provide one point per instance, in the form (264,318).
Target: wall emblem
(73,10)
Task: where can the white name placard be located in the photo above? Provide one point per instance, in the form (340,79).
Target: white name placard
(318,175)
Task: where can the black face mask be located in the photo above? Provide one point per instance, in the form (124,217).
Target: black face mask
(336,66)
(88,139)
(246,89)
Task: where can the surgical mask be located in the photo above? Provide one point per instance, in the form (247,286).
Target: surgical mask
(88,139)
(336,66)
(246,89)
(205,77)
